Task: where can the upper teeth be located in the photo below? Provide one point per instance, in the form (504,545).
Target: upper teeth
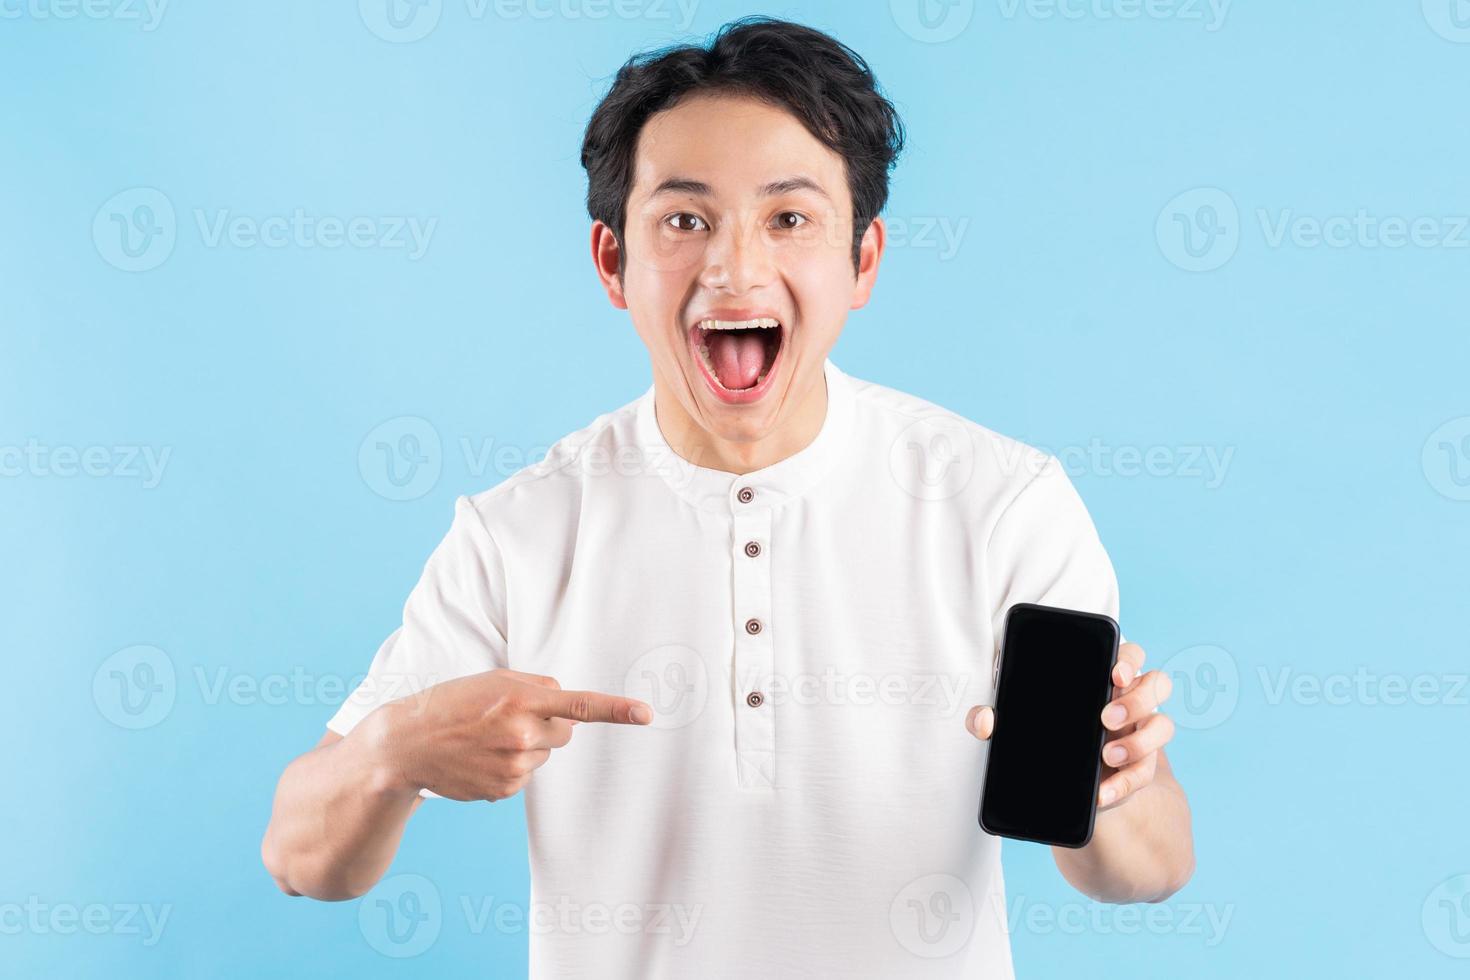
(764,321)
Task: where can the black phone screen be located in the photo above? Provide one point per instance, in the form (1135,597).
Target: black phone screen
(1055,678)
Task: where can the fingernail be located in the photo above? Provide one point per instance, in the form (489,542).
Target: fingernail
(1113,714)
(1107,795)
(1126,673)
(1114,754)
(641,714)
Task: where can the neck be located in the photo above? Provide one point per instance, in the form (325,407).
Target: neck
(703,448)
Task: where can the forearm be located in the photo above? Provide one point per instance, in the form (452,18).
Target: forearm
(337,819)
(1141,851)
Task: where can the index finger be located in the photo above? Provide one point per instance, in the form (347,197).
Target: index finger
(540,680)
(590,706)
(1129,666)
(1145,697)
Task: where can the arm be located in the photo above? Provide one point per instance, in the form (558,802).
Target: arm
(340,809)
(1142,852)
(339,812)
(338,817)
(1142,847)
(1044,548)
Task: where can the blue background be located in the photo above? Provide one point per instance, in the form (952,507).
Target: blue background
(1331,834)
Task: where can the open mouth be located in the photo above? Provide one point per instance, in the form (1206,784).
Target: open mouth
(738,357)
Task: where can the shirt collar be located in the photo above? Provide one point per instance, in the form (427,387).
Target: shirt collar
(718,490)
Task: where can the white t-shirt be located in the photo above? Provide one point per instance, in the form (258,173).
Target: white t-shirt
(810,636)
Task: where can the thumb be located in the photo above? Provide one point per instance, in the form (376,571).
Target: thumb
(981,721)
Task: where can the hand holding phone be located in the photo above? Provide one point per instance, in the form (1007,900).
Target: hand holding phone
(1054,677)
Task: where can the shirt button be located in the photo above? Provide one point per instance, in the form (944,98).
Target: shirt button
(753,549)
(746,495)
(755,699)
(752,626)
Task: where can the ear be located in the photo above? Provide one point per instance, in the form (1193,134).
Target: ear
(870,252)
(605,253)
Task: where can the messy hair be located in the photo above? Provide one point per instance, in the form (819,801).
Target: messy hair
(819,80)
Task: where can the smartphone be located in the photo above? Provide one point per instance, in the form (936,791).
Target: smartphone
(1055,676)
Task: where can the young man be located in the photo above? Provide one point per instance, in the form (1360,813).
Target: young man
(775,589)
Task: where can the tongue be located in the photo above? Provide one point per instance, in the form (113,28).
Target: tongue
(737,356)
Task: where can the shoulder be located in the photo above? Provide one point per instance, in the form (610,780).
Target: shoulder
(554,485)
(938,455)
(1021,513)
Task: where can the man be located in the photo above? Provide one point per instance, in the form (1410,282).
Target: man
(771,588)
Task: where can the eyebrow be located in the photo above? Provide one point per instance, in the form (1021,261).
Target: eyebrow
(698,188)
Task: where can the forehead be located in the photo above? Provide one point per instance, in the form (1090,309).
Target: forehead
(735,145)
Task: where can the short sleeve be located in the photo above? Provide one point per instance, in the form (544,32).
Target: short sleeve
(1044,549)
(454,623)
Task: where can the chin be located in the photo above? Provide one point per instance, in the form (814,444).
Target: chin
(739,426)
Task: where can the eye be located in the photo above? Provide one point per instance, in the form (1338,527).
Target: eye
(677,221)
(785,225)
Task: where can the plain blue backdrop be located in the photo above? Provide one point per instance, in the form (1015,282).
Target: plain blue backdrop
(1213,256)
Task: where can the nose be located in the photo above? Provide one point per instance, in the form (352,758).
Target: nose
(737,260)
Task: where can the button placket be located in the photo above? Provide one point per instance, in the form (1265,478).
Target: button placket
(755,721)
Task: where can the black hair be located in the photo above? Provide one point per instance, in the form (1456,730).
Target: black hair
(821,81)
